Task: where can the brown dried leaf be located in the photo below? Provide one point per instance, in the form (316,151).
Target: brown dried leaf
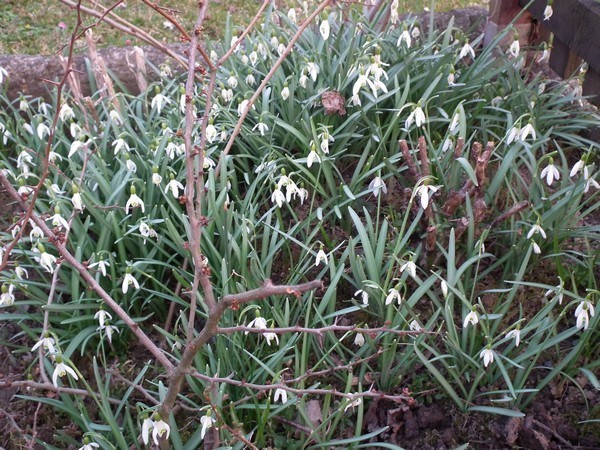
(333,102)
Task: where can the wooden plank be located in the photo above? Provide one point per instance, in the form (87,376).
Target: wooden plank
(591,86)
(562,60)
(576,23)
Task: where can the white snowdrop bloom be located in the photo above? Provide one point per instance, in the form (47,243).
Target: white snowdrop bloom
(115,117)
(258,322)
(536,248)
(487,354)
(47,261)
(129,280)
(405,38)
(580,166)
(313,70)
(321,257)
(61,370)
(227,95)
(76,146)
(325,29)
(364,296)
(548,12)
(526,131)
(550,173)
(156,177)
(280,394)
(455,122)
(417,116)
(292,15)
(77,201)
(46,343)
(271,337)
(471,318)
(410,267)
(174,186)
(377,185)
(415,32)
(42,130)
(285,92)
(312,158)
(243,107)
(466,50)
(515,48)
(536,229)
(120,144)
(234,41)
(75,130)
(281,49)
(513,133)
(414,326)
(326,138)
(131,166)
(253,58)
(134,201)
(425,191)
(589,183)
(393,294)
(394,12)
(359,340)
(262,128)
(147,426)
(302,80)
(101,264)
(20,271)
(3,75)
(160,428)
(102,316)
(159,101)
(250,80)
(584,311)
(208,421)
(516,335)
(211,133)
(23,105)
(66,112)
(277,196)
(232,80)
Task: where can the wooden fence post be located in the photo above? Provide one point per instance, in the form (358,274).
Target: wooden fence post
(502,13)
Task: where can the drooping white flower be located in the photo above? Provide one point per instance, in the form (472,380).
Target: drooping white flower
(3,74)
(262,127)
(227,95)
(321,257)
(536,248)
(471,318)
(548,12)
(102,316)
(584,311)
(415,326)
(46,343)
(487,354)
(232,80)
(147,426)
(258,322)
(159,101)
(292,15)
(536,229)
(466,50)
(89,446)
(280,394)
(211,132)
(129,280)
(353,403)
(61,370)
(134,201)
(393,294)
(174,186)
(42,130)
(131,166)
(516,335)
(120,144)
(364,296)
(515,48)
(156,177)
(108,331)
(404,38)
(589,183)
(550,173)
(313,70)
(270,337)
(285,92)
(312,157)
(417,116)
(410,267)
(47,261)
(359,340)
(208,421)
(277,196)
(66,112)
(101,264)
(424,191)
(580,166)
(324,29)
(444,287)
(377,185)
(7,298)
(20,271)
(160,428)
(526,131)
(394,12)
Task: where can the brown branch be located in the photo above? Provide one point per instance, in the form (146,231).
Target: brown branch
(27,384)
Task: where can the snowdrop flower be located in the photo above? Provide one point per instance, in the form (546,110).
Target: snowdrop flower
(156,178)
(47,261)
(7,298)
(513,133)
(393,294)
(466,50)
(262,127)
(61,370)
(516,335)
(101,264)
(250,80)
(253,57)
(326,138)
(258,322)
(550,172)
(159,101)
(377,185)
(410,267)
(243,107)
(174,186)
(285,92)
(75,130)
(42,130)
(35,233)
(108,331)
(302,80)
(404,38)
(3,74)
(232,80)
(208,421)
(548,11)
(487,354)
(313,70)
(354,403)
(364,296)
(280,394)
(120,144)
(277,196)
(66,112)
(76,200)
(394,12)
(536,248)
(227,95)
(115,117)
(414,326)
(580,166)
(417,116)
(444,287)
(312,156)
(324,29)
(23,104)
(20,271)
(211,132)
(424,191)
(359,340)
(147,425)
(545,56)
(280,49)
(584,311)
(102,316)
(46,343)
(134,201)
(23,161)
(76,146)
(129,280)
(292,15)
(131,166)
(89,445)
(536,229)
(234,41)
(160,428)
(471,318)
(589,183)
(526,131)
(515,47)
(454,124)
(321,257)
(271,336)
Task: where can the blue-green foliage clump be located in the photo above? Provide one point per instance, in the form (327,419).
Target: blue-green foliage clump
(317,166)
